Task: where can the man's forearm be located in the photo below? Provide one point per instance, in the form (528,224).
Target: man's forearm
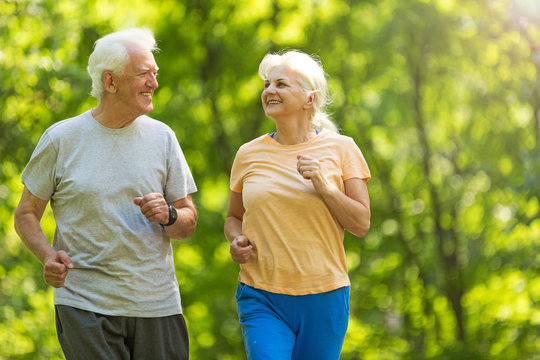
(29,230)
(185,225)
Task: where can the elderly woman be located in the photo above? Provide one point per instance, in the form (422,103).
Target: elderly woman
(293,193)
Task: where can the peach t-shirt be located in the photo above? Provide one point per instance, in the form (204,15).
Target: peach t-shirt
(298,243)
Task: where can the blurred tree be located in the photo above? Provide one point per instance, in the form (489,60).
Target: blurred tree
(442,96)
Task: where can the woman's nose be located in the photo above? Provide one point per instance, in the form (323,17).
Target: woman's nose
(270,89)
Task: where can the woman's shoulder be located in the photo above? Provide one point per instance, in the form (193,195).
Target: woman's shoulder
(255,143)
(340,139)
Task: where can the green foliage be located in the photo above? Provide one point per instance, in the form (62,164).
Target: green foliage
(442,96)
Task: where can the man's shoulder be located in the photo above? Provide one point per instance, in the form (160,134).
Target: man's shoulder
(147,121)
(68,126)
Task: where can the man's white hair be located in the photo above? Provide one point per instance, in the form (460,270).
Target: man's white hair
(111,54)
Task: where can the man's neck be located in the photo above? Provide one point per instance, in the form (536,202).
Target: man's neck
(110,118)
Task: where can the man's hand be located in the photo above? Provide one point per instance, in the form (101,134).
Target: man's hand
(154,207)
(56,268)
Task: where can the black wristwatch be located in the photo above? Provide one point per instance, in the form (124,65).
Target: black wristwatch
(173,215)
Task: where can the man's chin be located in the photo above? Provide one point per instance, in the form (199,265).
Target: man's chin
(148,109)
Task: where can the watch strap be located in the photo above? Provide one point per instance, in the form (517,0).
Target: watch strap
(173,215)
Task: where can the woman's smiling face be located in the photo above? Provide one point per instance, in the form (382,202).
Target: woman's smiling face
(283,95)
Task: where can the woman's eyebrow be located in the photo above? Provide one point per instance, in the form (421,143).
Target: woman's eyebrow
(280,79)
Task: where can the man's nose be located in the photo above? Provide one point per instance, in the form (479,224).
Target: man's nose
(152,81)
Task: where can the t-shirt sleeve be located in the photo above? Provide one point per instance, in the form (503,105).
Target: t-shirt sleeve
(180,182)
(237,172)
(354,164)
(39,175)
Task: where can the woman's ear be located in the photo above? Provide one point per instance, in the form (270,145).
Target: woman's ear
(310,100)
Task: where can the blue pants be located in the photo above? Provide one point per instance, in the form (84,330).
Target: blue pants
(285,327)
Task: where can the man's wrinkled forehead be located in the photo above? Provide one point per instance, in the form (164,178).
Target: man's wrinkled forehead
(141,59)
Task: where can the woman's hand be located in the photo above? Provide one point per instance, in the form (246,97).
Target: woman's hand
(241,250)
(351,208)
(310,169)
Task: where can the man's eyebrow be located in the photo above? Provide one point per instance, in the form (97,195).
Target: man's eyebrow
(145,68)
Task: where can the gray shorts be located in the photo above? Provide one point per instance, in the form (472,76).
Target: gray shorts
(87,335)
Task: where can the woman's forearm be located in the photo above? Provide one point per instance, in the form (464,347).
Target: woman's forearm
(351,208)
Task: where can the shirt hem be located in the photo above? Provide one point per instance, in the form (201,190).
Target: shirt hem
(295,292)
(122,312)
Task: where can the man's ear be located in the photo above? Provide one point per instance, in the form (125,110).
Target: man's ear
(108,82)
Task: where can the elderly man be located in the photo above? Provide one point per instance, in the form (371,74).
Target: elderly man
(119,187)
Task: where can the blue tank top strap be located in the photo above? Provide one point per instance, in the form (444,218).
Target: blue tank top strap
(317,131)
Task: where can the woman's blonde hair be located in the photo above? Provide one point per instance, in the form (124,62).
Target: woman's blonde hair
(312,79)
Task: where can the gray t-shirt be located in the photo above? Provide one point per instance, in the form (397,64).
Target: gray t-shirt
(123,263)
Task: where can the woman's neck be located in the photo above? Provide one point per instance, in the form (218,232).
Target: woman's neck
(292,135)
